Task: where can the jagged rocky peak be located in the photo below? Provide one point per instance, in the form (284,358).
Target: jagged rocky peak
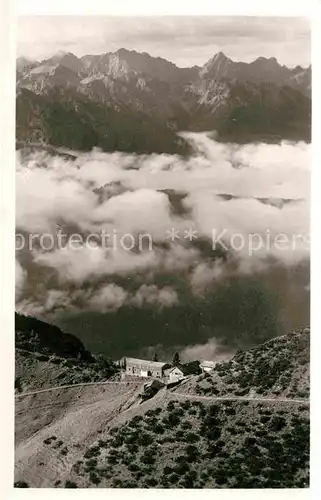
(219,57)
(216,67)
(298,69)
(64,60)
(155,67)
(123,53)
(109,64)
(270,62)
(168,96)
(134,56)
(69,61)
(56,58)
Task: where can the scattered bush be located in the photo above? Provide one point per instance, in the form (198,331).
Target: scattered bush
(58,444)
(94,451)
(277,423)
(70,484)
(133,467)
(144,439)
(21,484)
(94,478)
(167,470)
(151,481)
(191,437)
(173,478)
(159,429)
(179,435)
(49,439)
(91,463)
(170,406)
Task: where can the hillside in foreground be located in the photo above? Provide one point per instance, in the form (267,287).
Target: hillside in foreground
(107,436)
(277,368)
(47,357)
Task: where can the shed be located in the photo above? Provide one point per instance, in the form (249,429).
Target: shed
(207,366)
(174,374)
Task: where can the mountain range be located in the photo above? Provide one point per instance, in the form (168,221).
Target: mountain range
(134,102)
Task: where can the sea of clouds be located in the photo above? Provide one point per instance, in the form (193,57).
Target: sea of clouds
(228,189)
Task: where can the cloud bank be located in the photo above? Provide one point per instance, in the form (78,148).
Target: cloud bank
(136,201)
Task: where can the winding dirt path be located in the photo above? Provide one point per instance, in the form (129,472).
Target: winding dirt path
(171,394)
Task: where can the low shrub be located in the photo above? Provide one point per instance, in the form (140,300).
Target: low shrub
(70,484)
(91,463)
(58,444)
(94,478)
(277,423)
(173,478)
(94,451)
(170,406)
(179,434)
(132,448)
(144,439)
(133,467)
(49,440)
(21,484)
(167,470)
(151,481)
(159,429)
(191,437)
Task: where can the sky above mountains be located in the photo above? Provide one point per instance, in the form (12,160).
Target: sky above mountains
(184,40)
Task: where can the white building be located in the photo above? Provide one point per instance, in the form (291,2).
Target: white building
(207,366)
(143,367)
(174,374)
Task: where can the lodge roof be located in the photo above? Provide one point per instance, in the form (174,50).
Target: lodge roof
(144,362)
(169,370)
(190,368)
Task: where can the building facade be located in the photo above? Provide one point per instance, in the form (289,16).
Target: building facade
(174,374)
(143,367)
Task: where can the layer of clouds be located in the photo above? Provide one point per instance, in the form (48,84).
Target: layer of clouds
(151,295)
(258,188)
(209,351)
(185,40)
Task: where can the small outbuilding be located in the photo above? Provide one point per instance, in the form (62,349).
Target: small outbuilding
(207,366)
(182,370)
(174,374)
